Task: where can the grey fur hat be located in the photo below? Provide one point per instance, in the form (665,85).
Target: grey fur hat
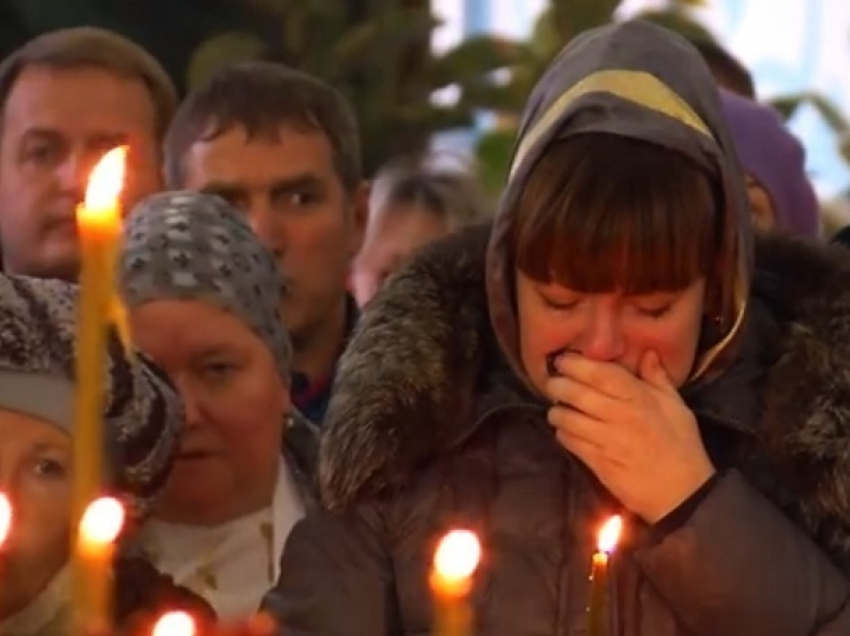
(143,416)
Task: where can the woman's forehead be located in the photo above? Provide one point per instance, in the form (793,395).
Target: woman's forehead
(18,428)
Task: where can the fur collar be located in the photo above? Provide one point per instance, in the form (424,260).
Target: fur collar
(405,386)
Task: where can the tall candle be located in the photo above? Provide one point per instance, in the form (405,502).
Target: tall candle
(5,518)
(597,609)
(455,562)
(99,229)
(99,529)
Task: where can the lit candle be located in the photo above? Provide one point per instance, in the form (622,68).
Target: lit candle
(175,624)
(99,228)
(597,609)
(5,518)
(95,549)
(455,562)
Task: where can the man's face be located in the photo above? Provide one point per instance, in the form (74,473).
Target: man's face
(295,201)
(57,123)
(393,235)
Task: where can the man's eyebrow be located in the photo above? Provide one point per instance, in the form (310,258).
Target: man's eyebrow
(297,182)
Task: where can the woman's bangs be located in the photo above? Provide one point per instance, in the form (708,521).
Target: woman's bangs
(636,250)
(601,213)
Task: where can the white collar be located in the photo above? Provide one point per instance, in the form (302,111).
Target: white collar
(286,508)
(43,609)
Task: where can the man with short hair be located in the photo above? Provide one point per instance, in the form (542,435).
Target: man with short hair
(284,147)
(66,97)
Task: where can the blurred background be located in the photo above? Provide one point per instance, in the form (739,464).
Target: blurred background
(452,74)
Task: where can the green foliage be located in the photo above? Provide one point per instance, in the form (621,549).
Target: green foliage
(494,152)
(561,21)
(787,106)
(680,22)
(378,53)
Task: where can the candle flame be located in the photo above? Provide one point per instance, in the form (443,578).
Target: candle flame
(107,180)
(610,534)
(458,555)
(102,521)
(174,624)
(5,518)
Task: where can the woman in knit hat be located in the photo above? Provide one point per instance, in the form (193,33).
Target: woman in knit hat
(143,420)
(203,297)
(781,195)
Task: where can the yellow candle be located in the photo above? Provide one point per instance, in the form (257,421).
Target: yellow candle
(5,518)
(99,529)
(175,624)
(455,562)
(597,609)
(99,229)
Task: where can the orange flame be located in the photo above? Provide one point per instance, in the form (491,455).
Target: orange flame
(610,534)
(5,518)
(175,624)
(457,556)
(107,180)
(102,521)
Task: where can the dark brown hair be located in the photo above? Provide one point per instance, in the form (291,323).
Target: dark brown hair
(602,212)
(261,97)
(92,47)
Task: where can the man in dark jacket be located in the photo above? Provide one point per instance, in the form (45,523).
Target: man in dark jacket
(702,401)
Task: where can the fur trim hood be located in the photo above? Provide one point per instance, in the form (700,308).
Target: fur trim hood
(407,384)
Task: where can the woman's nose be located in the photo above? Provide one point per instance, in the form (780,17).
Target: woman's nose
(192,411)
(602,337)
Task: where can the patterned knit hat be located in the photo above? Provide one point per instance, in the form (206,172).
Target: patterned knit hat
(195,246)
(143,413)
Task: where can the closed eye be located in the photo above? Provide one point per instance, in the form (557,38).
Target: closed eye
(218,369)
(658,312)
(560,305)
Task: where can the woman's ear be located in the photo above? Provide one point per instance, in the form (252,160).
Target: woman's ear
(761,206)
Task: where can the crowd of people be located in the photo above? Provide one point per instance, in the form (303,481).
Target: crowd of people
(332,369)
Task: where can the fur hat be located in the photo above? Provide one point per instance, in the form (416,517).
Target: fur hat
(143,415)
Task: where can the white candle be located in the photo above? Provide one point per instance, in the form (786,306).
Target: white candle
(175,624)
(455,561)
(5,518)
